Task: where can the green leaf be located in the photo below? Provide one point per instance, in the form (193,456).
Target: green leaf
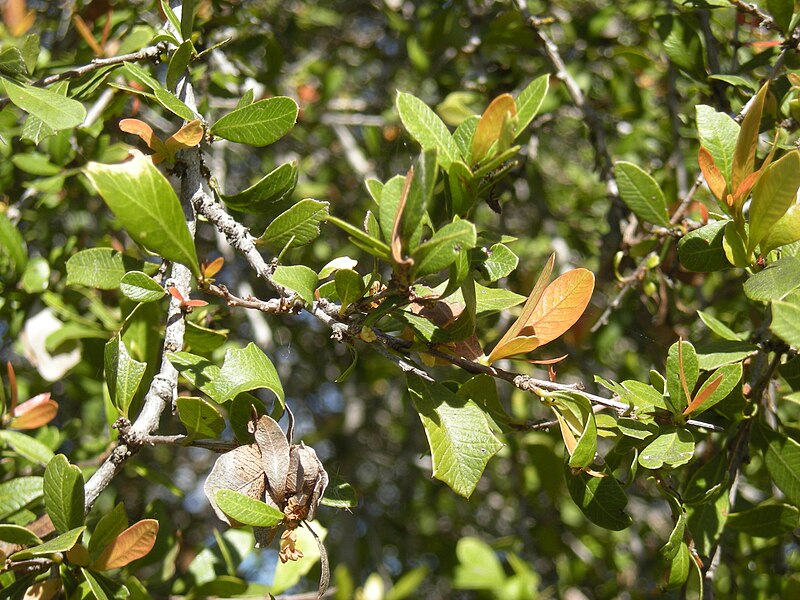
(62,543)
(679,567)
(98,592)
(706,522)
(177,107)
(26,446)
(530,101)
(785,231)
(349,286)
(247,510)
(107,529)
(641,193)
(18,493)
(299,279)
(723,352)
(63,494)
(775,282)
(420,193)
(478,566)
(36,277)
(203,340)
(459,437)
(16,534)
(782,459)
(12,63)
(266,197)
(773,195)
(786,322)
(681,43)
(462,137)
(140,287)
(443,248)
(298,226)
(672,449)
(178,63)
(583,455)
(100,268)
(389,203)
(427,129)
(500,262)
(718,134)
(677,399)
(339,494)
(601,499)
(55,111)
(718,326)
(12,245)
(244,370)
(201,419)
(701,250)
(146,205)
(258,124)
(123,374)
(199,371)
(363,240)
(766,520)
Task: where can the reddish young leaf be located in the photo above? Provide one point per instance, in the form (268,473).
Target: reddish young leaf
(173,291)
(33,413)
(491,127)
(133,543)
(397,241)
(210,269)
(138,128)
(704,395)
(195,303)
(713,176)
(86,33)
(17,18)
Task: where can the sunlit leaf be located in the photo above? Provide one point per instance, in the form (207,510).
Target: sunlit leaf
(745,154)
(133,543)
(489,132)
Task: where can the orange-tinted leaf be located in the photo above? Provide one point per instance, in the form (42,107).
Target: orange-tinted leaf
(543,361)
(713,176)
(173,291)
(490,129)
(397,241)
(87,35)
(212,268)
(138,128)
(561,305)
(517,345)
(43,590)
(704,395)
(195,303)
(33,413)
(188,136)
(133,543)
(530,304)
(745,154)
(17,17)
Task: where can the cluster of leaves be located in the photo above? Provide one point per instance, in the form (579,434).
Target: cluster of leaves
(421,275)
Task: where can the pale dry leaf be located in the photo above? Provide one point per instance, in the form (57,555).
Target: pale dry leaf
(274,455)
(239,470)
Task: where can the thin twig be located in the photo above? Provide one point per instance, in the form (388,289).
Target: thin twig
(149,53)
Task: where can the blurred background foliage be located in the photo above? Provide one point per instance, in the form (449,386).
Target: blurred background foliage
(643,66)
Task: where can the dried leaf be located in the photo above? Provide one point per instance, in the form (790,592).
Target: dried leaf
(138,128)
(240,470)
(274,449)
(325,574)
(306,479)
(133,543)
